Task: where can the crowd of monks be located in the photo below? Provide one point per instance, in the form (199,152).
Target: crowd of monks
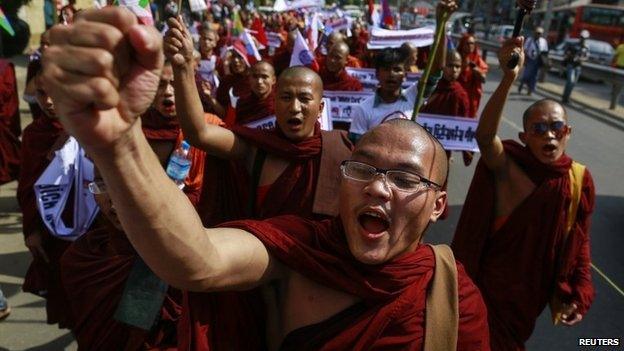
(290,238)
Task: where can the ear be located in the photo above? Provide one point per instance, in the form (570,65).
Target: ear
(321,107)
(522,136)
(438,205)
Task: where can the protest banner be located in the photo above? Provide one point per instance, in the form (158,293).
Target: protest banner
(287,5)
(341,103)
(455,133)
(339,23)
(369,81)
(383,38)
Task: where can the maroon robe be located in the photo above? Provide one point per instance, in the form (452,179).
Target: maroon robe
(250,108)
(10,128)
(391,315)
(96,267)
(449,99)
(516,266)
(235,320)
(341,81)
(281,61)
(43,279)
(239,82)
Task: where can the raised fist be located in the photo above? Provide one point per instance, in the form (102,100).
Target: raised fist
(504,55)
(178,43)
(102,73)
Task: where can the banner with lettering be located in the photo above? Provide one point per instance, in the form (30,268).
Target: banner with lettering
(383,38)
(342,103)
(369,81)
(274,39)
(455,133)
(288,5)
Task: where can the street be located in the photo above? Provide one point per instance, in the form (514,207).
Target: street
(597,141)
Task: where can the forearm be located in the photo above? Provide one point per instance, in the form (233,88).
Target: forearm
(188,104)
(158,219)
(492,114)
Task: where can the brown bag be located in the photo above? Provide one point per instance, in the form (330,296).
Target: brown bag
(577,172)
(441,309)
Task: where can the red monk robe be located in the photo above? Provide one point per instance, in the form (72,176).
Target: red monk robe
(235,320)
(391,314)
(250,108)
(96,266)
(515,267)
(239,85)
(471,82)
(449,99)
(39,141)
(341,81)
(10,128)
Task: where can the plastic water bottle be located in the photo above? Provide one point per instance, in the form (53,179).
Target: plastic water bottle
(179,164)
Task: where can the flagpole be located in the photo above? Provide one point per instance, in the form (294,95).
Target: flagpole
(179,8)
(440,29)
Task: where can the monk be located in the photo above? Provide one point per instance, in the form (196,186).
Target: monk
(234,82)
(334,38)
(260,103)
(411,65)
(209,63)
(39,141)
(10,128)
(369,264)
(333,72)
(449,97)
(262,174)
(517,234)
(474,71)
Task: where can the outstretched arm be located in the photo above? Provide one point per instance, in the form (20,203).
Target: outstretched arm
(490,144)
(103,72)
(213,139)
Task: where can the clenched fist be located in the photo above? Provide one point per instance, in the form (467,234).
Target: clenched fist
(102,72)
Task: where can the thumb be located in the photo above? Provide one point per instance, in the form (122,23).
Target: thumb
(147,45)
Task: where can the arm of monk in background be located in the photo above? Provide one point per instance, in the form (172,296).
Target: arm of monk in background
(99,102)
(490,144)
(213,139)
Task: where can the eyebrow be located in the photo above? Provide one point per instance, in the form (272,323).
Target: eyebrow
(407,166)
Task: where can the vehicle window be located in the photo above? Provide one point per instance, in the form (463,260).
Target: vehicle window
(601,16)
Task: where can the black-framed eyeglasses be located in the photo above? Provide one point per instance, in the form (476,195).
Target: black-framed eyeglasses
(541,128)
(397,179)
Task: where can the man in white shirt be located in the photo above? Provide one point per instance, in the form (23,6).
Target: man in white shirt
(536,55)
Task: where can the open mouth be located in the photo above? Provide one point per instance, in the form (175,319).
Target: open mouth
(294,122)
(168,103)
(549,148)
(373,222)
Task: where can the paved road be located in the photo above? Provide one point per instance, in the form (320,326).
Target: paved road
(597,141)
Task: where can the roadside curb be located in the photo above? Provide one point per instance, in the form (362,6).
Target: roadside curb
(611,113)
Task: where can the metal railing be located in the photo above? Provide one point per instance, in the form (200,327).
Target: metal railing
(610,75)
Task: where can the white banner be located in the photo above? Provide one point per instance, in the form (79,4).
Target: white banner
(383,38)
(369,81)
(341,103)
(198,5)
(287,5)
(339,23)
(274,39)
(455,133)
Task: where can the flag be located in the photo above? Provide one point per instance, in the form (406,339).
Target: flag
(313,31)
(5,24)
(260,34)
(386,14)
(141,8)
(250,46)
(237,24)
(301,54)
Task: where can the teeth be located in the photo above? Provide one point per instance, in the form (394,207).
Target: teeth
(373,214)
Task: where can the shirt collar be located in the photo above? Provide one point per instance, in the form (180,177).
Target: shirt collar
(379,101)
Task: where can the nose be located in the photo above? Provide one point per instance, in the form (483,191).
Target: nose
(169,90)
(295,106)
(379,188)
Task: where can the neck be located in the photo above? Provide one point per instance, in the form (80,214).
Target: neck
(389,96)
(262,96)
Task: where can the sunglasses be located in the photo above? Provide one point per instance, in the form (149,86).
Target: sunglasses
(559,128)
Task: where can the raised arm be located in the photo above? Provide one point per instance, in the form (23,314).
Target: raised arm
(102,72)
(213,139)
(490,145)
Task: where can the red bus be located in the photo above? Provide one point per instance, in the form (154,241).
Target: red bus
(604,22)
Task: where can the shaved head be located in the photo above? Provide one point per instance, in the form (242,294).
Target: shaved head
(335,38)
(263,65)
(548,104)
(306,74)
(341,47)
(414,133)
